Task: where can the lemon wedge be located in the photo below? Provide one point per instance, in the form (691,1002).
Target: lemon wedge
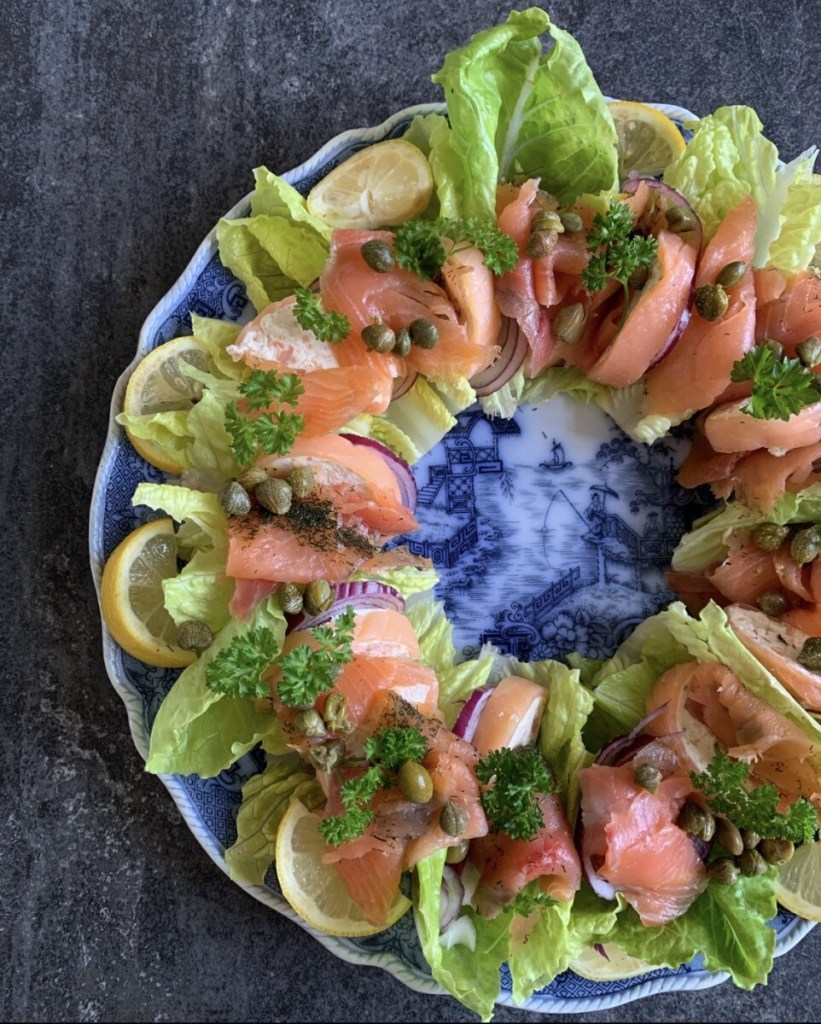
(315,890)
(798,883)
(381,186)
(131,595)
(647,139)
(159,384)
(617,966)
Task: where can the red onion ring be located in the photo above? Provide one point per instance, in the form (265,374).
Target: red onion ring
(401,470)
(512,352)
(677,331)
(621,750)
(671,197)
(451,898)
(363,595)
(465,725)
(402,385)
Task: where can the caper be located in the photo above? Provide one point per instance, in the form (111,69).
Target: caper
(572,222)
(424,334)
(809,351)
(731,274)
(711,301)
(275,495)
(234,499)
(729,836)
(290,598)
(335,711)
(638,279)
(776,348)
(301,479)
(750,839)
(403,344)
(377,255)
(751,863)
(805,545)
(772,602)
(770,536)
(454,819)
(810,656)
(378,338)
(457,853)
(309,722)
(648,777)
(318,597)
(679,220)
(723,871)
(194,635)
(547,220)
(695,820)
(415,782)
(568,323)
(539,245)
(776,851)
(326,756)
(250,478)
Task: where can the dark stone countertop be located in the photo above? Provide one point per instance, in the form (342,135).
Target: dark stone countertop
(129,128)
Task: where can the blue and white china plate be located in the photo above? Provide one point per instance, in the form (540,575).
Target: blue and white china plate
(550,531)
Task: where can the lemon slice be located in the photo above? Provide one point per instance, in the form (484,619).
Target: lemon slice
(617,966)
(798,883)
(381,186)
(647,139)
(315,890)
(131,595)
(158,384)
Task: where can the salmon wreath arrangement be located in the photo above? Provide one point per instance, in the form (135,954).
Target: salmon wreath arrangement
(639,810)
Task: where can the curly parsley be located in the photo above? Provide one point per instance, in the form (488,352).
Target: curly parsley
(419,245)
(273,432)
(615,251)
(781,387)
(237,669)
(519,776)
(331,327)
(308,671)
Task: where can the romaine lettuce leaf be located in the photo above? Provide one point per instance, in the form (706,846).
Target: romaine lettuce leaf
(506,400)
(795,245)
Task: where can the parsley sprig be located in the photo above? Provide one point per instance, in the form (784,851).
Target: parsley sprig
(519,775)
(331,327)
(419,245)
(781,387)
(237,669)
(308,671)
(387,750)
(724,783)
(615,251)
(273,432)
(529,900)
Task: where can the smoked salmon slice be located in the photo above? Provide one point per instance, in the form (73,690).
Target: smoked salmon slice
(746,573)
(789,308)
(729,429)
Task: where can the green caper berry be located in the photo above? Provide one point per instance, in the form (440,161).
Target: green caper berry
(234,499)
(809,351)
(251,478)
(776,851)
(776,348)
(568,323)
(572,222)
(403,344)
(723,871)
(729,836)
(326,756)
(648,777)
(547,220)
(454,819)
(805,545)
(770,536)
(194,635)
(711,301)
(377,255)
(696,821)
(318,597)
(309,722)
(730,275)
(301,479)
(751,863)
(415,782)
(772,602)
(379,338)
(750,839)
(275,495)
(335,711)
(457,853)
(290,598)
(539,245)
(810,656)
(679,220)
(424,334)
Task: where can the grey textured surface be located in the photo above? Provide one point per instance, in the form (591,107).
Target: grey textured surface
(129,127)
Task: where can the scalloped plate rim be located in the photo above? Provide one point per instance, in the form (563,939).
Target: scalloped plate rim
(540,1003)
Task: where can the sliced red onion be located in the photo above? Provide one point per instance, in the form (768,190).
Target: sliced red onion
(599,948)
(363,595)
(470,876)
(513,349)
(402,385)
(408,490)
(599,885)
(451,897)
(677,331)
(671,198)
(621,750)
(465,725)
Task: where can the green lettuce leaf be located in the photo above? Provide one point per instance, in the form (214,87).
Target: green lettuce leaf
(421,415)
(217,335)
(506,400)
(794,248)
